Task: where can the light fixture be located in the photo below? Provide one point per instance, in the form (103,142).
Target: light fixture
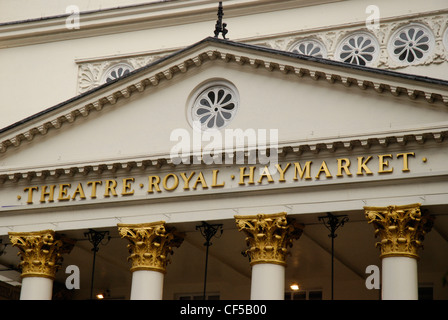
(105,294)
(95,238)
(294,286)
(332,223)
(208,231)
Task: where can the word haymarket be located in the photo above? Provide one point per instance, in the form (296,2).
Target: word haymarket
(184,181)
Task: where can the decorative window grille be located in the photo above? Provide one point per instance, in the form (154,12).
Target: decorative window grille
(215,107)
(411,44)
(358,48)
(117,71)
(310,47)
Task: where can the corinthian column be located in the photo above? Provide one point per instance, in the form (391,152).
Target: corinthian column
(401,230)
(150,245)
(41,256)
(268,237)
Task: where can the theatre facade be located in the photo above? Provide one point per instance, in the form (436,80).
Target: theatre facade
(230,170)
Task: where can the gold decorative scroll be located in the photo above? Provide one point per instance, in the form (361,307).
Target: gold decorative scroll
(40,252)
(150,244)
(401,229)
(268,236)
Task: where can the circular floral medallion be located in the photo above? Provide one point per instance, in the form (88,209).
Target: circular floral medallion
(411,44)
(310,48)
(214,107)
(360,48)
(116,72)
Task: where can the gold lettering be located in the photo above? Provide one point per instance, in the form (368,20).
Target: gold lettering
(385,165)
(405,160)
(215,179)
(200,179)
(282,172)
(110,187)
(298,169)
(343,166)
(324,168)
(127,188)
(266,174)
(154,184)
(93,183)
(249,175)
(186,180)
(50,194)
(382,163)
(362,165)
(63,195)
(30,193)
(174,186)
(79,190)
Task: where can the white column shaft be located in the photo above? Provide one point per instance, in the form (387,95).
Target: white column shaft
(399,278)
(147,285)
(268,282)
(36,288)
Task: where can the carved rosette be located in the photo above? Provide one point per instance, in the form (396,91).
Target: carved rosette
(401,229)
(150,244)
(40,252)
(268,236)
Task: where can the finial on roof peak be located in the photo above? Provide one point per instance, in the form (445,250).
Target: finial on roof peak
(220,27)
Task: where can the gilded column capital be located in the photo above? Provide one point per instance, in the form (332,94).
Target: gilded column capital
(40,252)
(268,236)
(150,244)
(401,229)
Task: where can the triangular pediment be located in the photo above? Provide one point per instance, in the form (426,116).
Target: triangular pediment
(311,102)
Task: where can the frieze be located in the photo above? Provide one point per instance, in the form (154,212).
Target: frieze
(175,181)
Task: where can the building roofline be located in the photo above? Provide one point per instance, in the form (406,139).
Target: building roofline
(330,62)
(214,40)
(64,15)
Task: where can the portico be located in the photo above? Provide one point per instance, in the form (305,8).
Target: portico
(268,237)
(373,169)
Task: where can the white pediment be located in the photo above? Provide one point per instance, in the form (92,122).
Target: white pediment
(309,101)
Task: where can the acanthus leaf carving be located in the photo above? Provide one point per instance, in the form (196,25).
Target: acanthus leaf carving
(268,236)
(400,229)
(150,245)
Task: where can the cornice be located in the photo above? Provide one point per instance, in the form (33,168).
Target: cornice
(283,151)
(352,25)
(135,17)
(258,39)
